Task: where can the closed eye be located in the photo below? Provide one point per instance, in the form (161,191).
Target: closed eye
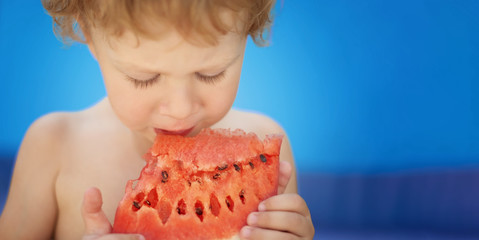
(210,79)
(143,83)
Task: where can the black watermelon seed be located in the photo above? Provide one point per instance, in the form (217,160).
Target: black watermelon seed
(148,202)
(136,204)
(237,168)
(251,165)
(262,157)
(241,195)
(230,203)
(199,211)
(181,209)
(223,167)
(164,175)
(216,176)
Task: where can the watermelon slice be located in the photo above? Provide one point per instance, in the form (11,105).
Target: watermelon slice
(200,187)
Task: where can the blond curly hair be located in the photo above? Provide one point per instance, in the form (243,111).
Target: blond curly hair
(199,17)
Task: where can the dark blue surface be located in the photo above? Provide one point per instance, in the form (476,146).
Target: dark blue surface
(6,168)
(417,205)
(436,202)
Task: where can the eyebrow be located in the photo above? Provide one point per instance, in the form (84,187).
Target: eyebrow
(128,67)
(131,67)
(229,62)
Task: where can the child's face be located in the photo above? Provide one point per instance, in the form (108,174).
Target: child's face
(179,87)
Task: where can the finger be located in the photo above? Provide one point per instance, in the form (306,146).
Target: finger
(114,236)
(121,237)
(96,222)
(289,202)
(292,222)
(259,233)
(285,171)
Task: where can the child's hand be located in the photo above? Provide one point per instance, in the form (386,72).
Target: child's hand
(284,216)
(97,226)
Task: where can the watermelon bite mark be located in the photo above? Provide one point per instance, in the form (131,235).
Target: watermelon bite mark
(201,187)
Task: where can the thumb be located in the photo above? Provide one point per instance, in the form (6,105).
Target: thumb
(96,222)
(285,171)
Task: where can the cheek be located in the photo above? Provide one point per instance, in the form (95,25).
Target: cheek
(224,97)
(130,107)
(132,116)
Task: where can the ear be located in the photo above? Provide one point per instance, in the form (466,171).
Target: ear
(86,31)
(91,47)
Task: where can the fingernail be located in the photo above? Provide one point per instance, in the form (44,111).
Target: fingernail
(245,232)
(140,237)
(262,207)
(252,219)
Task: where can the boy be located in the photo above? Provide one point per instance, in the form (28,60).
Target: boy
(169,67)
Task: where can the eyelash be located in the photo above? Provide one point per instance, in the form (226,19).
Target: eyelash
(147,83)
(143,83)
(210,79)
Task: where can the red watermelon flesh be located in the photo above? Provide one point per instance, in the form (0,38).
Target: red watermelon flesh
(200,187)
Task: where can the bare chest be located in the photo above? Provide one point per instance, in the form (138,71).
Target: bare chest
(92,166)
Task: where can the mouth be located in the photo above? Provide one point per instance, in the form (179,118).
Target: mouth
(182,132)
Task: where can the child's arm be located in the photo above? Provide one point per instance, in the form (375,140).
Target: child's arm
(30,211)
(285,216)
(287,176)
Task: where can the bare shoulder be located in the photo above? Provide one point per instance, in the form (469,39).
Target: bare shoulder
(251,122)
(262,125)
(33,181)
(54,133)
(43,152)
(43,142)
(46,133)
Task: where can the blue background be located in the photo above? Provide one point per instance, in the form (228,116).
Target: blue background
(362,87)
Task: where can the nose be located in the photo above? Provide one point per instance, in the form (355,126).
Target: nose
(179,104)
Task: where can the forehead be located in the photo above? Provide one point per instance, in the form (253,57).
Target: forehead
(171,52)
(166,45)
